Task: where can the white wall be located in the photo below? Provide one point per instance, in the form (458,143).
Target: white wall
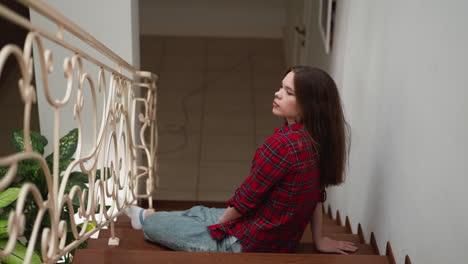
(401,67)
(218,18)
(114,23)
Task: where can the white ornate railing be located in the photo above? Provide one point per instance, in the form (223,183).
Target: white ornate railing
(123,149)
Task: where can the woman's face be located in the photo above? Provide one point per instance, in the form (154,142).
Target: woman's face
(284,104)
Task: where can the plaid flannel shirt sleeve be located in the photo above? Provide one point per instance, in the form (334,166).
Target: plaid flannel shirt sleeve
(270,163)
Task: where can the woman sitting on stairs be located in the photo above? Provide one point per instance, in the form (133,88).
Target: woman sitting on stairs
(286,185)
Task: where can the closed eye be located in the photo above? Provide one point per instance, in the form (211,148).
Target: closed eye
(288,89)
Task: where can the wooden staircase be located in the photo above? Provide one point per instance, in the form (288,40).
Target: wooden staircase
(134,248)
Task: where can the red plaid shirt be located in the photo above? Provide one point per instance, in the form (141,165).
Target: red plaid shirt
(278,197)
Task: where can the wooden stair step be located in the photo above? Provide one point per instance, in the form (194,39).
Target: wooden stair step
(329,230)
(86,256)
(134,240)
(345,237)
(123,219)
(123,230)
(328,221)
(309,248)
(129,233)
(139,243)
(333,229)
(307,237)
(125,244)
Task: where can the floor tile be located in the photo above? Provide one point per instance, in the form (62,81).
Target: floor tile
(171,101)
(151,45)
(176,94)
(268,64)
(173,121)
(222,175)
(179,80)
(215,196)
(175,195)
(178,175)
(229,124)
(267,47)
(228,101)
(151,63)
(239,63)
(179,63)
(263,100)
(230,79)
(266,124)
(179,145)
(228,46)
(185,46)
(229,92)
(261,138)
(266,81)
(227,148)
(228,107)
(263,108)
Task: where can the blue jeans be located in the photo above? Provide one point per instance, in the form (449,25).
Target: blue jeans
(187,230)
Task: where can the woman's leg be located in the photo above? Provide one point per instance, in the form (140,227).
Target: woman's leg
(184,230)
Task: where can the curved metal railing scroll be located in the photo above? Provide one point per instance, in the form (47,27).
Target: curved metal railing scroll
(123,141)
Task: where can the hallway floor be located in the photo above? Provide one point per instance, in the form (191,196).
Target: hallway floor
(214,109)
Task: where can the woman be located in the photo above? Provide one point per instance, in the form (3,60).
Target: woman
(285,188)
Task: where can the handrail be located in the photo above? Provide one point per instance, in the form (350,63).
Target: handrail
(123,152)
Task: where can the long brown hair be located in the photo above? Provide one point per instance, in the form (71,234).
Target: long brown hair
(322,114)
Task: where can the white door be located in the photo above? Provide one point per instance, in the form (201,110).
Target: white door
(299,16)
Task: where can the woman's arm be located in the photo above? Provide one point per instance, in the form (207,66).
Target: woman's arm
(325,244)
(230,214)
(271,162)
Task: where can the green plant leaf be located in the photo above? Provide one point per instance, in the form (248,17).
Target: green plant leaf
(8,196)
(88,228)
(18,254)
(98,173)
(30,213)
(63,165)
(3,171)
(76,178)
(20,173)
(3,228)
(6,212)
(67,146)
(38,141)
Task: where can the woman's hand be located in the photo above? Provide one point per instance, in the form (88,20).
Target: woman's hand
(328,245)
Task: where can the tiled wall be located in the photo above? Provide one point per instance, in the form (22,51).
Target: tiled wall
(215,100)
